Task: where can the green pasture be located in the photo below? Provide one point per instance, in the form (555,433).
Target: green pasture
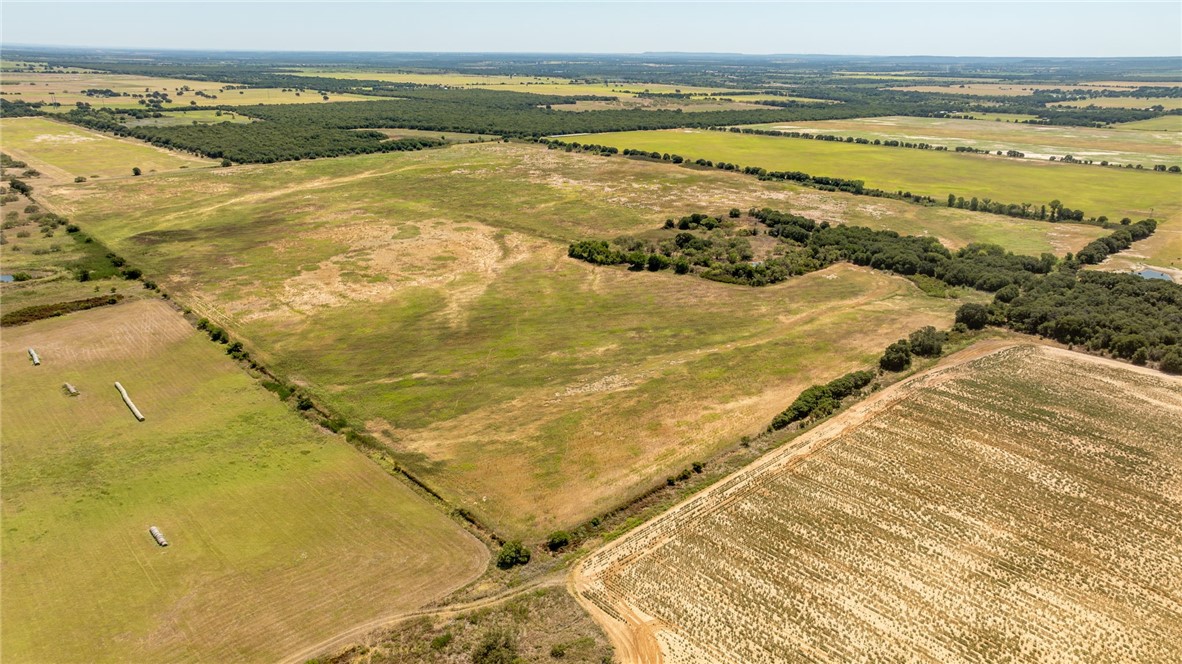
(63,151)
(1160,123)
(1112,192)
(1119,146)
(280,535)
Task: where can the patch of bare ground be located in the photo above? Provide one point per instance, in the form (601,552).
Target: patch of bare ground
(1015,502)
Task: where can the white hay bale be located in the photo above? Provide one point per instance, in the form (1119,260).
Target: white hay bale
(127,400)
(33,356)
(158,536)
(70,389)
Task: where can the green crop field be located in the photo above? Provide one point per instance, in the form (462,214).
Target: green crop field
(1112,192)
(375,281)
(280,535)
(1119,146)
(62,151)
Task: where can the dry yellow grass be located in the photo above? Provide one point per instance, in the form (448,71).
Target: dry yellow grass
(1016,506)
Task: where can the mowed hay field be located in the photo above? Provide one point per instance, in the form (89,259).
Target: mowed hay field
(1116,145)
(1022,506)
(1111,192)
(530,388)
(280,535)
(66,89)
(63,152)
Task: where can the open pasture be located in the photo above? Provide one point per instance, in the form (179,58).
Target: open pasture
(529,388)
(62,151)
(279,535)
(1118,145)
(1112,192)
(67,89)
(183,117)
(1160,123)
(1020,506)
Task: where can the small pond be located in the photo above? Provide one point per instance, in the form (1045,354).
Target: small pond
(1152,274)
(5,278)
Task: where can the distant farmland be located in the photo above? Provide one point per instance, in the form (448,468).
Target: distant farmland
(1111,192)
(1021,506)
(1116,145)
(280,534)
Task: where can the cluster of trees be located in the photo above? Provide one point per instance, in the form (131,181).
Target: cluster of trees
(1132,318)
(259,142)
(19,108)
(720,253)
(1126,315)
(820,401)
(1097,250)
(924,342)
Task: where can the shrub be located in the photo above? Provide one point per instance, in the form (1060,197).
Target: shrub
(442,641)
(557,540)
(897,356)
(1171,362)
(136,171)
(927,342)
(80,179)
(512,554)
(497,647)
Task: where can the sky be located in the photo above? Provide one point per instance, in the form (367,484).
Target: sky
(949,28)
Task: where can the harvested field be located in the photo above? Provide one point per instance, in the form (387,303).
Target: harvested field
(279,535)
(1010,505)
(461,335)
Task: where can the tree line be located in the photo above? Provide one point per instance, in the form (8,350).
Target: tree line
(1120,314)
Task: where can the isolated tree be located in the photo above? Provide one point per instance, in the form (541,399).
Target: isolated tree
(512,554)
(136,171)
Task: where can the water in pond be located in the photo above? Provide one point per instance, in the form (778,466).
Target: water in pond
(1152,274)
(5,277)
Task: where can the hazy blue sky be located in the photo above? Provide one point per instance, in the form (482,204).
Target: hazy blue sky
(871,28)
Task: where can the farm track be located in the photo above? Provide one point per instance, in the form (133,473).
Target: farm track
(634,636)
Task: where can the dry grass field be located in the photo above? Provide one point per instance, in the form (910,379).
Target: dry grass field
(280,535)
(67,90)
(1013,505)
(62,151)
(531,389)
(1168,103)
